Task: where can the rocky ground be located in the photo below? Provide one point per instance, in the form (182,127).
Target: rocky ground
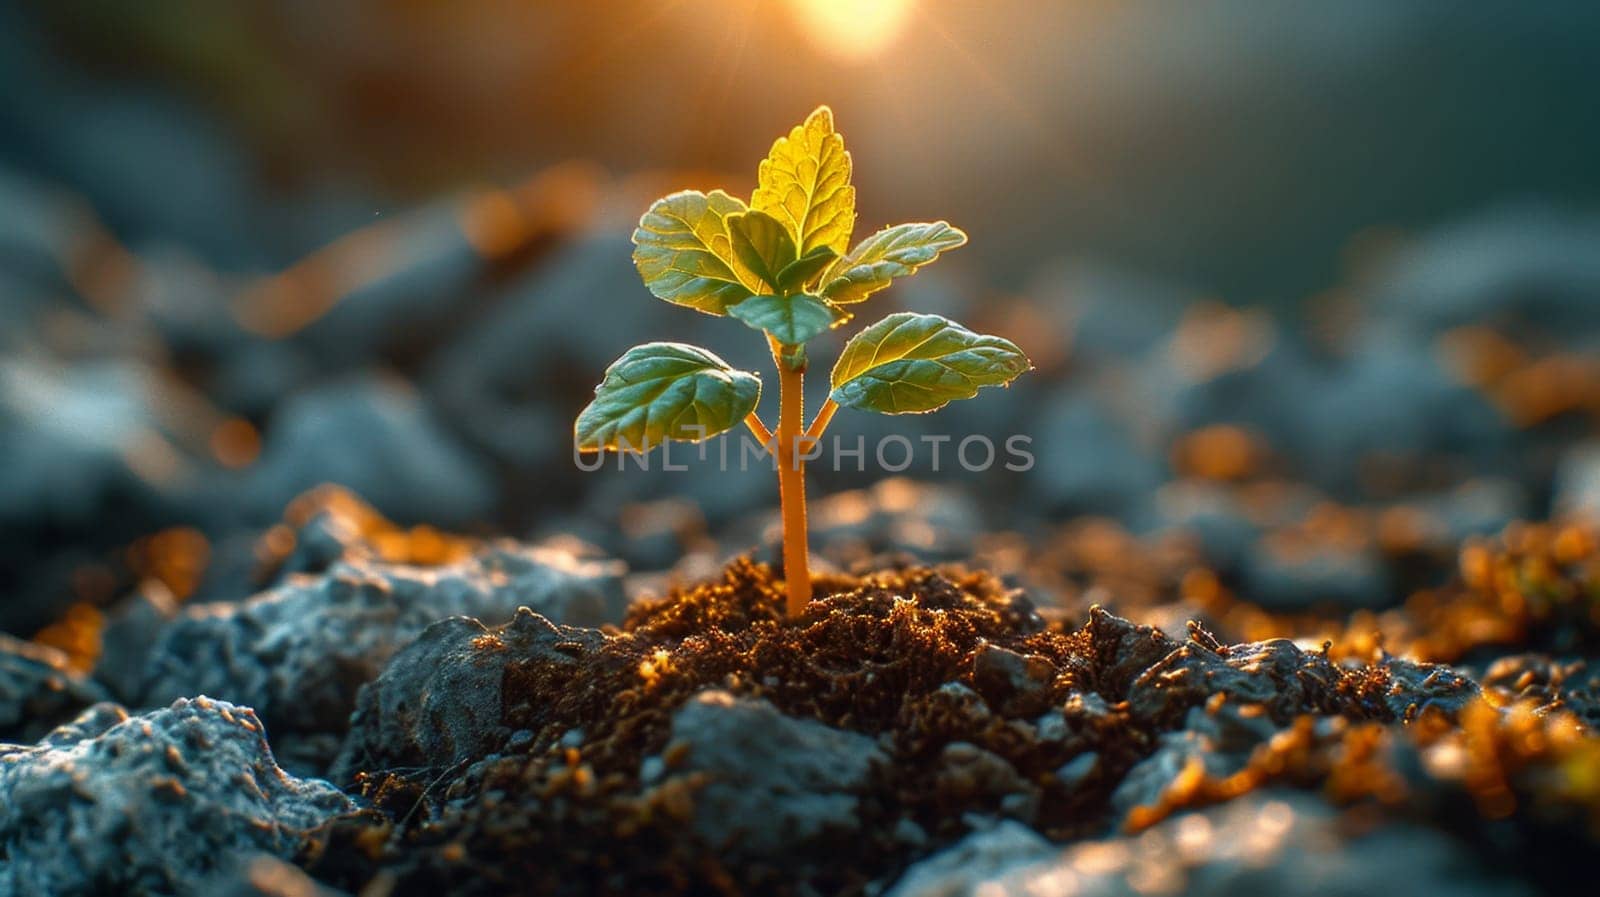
(497,718)
(1294,606)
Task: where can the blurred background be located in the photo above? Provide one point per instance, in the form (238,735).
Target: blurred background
(1313,289)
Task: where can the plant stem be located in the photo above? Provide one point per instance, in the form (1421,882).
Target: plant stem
(792,483)
(758,428)
(821,421)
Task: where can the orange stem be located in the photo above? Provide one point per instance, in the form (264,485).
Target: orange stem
(792,484)
(820,422)
(758,428)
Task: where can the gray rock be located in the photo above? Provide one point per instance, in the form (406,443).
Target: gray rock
(1076,771)
(1123,651)
(1304,576)
(1016,683)
(421,293)
(1395,402)
(1479,507)
(979,857)
(1261,381)
(74,438)
(96,454)
(541,331)
(1163,679)
(934,522)
(132,629)
(1577,485)
(1526,267)
(1273,673)
(774,783)
(439,702)
(1221,742)
(154,804)
(1085,462)
(299,652)
(1415,687)
(378,438)
(1284,843)
(973,774)
(1214,515)
(38,690)
(1570,685)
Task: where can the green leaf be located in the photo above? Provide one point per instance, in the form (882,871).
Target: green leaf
(794,277)
(762,245)
(684,254)
(661,391)
(791,318)
(909,363)
(892,252)
(805,183)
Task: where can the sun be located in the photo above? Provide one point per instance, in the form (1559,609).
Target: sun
(853,30)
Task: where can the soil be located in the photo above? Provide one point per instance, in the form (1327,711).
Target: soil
(980,704)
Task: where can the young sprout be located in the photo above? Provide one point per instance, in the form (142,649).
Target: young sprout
(782,265)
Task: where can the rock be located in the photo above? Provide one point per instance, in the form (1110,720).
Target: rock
(299,651)
(979,857)
(1016,683)
(930,521)
(133,627)
(1478,507)
(774,784)
(971,775)
(439,702)
(1220,741)
(656,535)
(1123,650)
(541,331)
(38,690)
(153,804)
(1530,268)
(1162,679)
(413,302)
(1577,485)
(1394,403)
(1086,463)
(1554,686)
(1235,368)
(1076,771)
(96,454)
(1415,687)
(1214,515)
(1275,674)
(1292,575)
(1268,842)
(378,438)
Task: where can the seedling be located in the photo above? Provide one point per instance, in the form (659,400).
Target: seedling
(782,265)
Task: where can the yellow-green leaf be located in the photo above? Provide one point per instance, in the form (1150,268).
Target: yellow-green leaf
(791,318)
(909,363)
(661,391)
(684,254)
(805,183)
(890,253)
(761,245)
(800,272)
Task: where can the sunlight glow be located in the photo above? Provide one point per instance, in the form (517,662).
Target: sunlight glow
(852,29)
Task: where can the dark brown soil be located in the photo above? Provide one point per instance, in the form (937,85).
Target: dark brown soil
(876,655)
